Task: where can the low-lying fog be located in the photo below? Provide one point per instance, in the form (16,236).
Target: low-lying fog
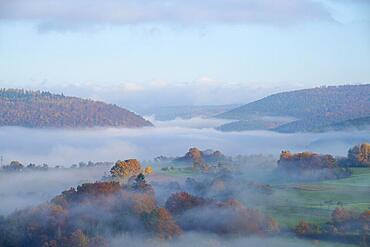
(170,138)
(20,190)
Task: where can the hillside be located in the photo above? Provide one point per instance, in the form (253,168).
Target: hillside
(322,124)
(356,123)
(314,108)
(37,109)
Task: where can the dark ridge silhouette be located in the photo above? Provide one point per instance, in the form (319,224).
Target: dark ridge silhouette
(35,109)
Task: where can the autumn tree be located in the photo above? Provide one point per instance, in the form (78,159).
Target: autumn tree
(359,155)
(194,154)
(148,170)
(122,170)
(181,201)
(162,223)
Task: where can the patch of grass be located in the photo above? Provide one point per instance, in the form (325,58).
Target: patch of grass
(314,202)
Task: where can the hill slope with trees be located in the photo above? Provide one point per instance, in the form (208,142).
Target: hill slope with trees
(37,109)
(314,108)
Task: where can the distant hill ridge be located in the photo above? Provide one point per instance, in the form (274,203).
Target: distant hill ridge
(314,108)
(39,109)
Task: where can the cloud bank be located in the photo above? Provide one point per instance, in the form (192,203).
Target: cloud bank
(20,190)
(174,138)
(71,14)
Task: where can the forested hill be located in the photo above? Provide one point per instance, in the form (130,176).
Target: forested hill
(316,109)
(343,102)
(37,109)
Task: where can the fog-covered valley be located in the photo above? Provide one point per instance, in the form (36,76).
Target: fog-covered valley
(169,138)
(247,173)
(229,189)
(21,190)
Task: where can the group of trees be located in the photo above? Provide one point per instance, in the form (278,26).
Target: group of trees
(86,216)
(121,171)
(306,160)
(90,163)
(127,170)
(126,203)
(180,202)
(90,214)
(196,155)
(344,225)
(311,166)
(43,109)
(16,166)
(204,161)
(209,161)
(359,155)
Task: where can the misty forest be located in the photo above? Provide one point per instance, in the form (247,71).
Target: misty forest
(169,123)
(203,195)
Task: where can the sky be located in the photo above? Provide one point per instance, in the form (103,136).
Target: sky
(172,52)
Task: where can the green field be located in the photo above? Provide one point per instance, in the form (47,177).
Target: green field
(291,202)
(314,202)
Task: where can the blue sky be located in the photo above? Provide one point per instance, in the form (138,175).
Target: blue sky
(133,52)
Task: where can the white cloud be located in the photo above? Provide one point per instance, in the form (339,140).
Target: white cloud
(132,87)
(159,83)
(207,81)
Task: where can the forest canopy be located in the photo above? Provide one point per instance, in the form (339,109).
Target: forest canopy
(37,109)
